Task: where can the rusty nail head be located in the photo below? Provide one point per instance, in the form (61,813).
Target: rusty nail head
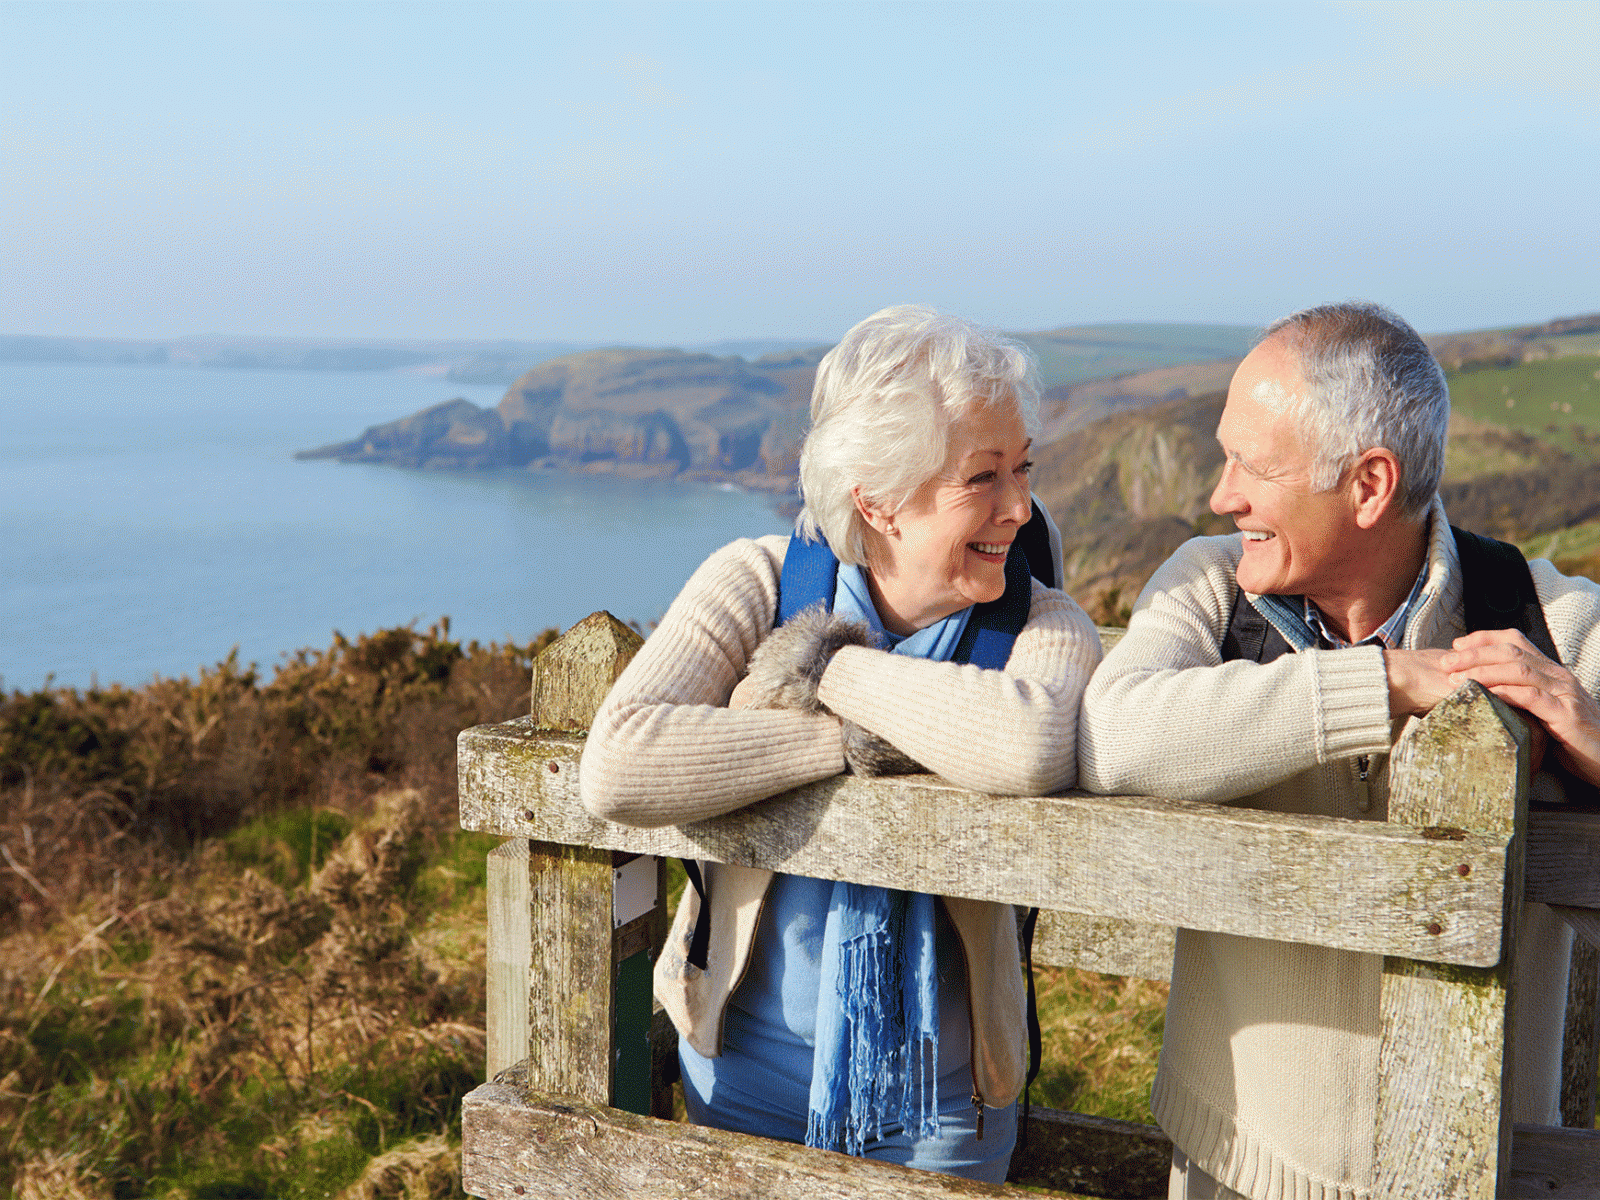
(553,767)
(527,814)
(1436,929)
(1464,869)
(517,1189)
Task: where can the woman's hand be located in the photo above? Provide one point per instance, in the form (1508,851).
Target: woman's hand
(786,668)
(745,694)
(1509,665)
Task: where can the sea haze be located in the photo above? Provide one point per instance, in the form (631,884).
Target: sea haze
(152,518)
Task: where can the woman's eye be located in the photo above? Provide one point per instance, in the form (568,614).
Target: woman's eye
(982,477)
(1027,467)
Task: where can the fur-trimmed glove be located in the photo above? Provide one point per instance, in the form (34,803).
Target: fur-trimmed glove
(787,668)
(869,754)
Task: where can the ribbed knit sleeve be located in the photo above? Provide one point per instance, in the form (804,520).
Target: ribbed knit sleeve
(1009,732)
(1572,611)
(664,749)
(1166,716)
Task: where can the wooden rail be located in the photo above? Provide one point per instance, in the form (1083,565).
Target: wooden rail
(576,914)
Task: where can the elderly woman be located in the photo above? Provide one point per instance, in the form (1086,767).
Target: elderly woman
(877,1022)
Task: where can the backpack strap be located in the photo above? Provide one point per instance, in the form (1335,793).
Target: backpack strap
(809,571)
(1034,538)
(1250,636)
(1497,590)
(993,627)
(1498,593)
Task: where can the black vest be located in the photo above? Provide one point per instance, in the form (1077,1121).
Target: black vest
(1497,593)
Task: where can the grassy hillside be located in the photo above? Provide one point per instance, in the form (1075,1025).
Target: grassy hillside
(241,936)
(1131,486)
(1557,398)
(1075,354)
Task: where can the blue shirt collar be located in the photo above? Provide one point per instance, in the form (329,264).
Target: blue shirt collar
(1388,634)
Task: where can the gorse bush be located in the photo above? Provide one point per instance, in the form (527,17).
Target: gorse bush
(162,766)
(240,933)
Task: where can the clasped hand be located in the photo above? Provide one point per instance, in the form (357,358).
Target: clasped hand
(1511,667)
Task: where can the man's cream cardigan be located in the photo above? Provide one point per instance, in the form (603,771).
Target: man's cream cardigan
(665,750)
(1269,1068)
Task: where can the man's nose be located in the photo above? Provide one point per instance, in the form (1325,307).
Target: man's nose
(1225,496)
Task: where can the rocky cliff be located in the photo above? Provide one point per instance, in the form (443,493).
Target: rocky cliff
(635,412)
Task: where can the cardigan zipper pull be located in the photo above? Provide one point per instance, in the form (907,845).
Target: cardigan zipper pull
(977,1103)
(1363,787)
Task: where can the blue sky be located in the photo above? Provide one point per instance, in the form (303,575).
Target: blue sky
(677,172)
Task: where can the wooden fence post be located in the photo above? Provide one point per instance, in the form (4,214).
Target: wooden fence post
(1444,1057)
(573,931)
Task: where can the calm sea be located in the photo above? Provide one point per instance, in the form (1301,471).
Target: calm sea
(153,518)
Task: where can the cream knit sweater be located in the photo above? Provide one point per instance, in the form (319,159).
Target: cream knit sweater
(664,749)
(1268,1075)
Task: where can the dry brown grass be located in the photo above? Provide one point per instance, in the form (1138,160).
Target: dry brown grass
(240,933)
(1102,1036)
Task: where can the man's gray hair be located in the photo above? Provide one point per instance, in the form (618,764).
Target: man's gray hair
(1370,381)
(884,402)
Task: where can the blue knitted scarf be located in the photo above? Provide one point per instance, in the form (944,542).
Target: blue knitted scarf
(877,1051)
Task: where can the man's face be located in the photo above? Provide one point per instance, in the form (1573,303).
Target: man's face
(1294,538)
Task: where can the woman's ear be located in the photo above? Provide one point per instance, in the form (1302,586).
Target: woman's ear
(873,516)
(1374,485)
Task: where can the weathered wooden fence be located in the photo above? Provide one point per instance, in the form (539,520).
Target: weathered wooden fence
(581,1069)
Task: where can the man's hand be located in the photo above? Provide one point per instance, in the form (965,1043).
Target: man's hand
(1418,680)
(1506,663)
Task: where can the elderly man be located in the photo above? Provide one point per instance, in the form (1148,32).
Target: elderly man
(1274,667)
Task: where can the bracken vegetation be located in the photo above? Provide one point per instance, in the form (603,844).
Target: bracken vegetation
(241,936)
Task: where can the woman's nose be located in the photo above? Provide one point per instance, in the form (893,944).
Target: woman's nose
(1016,507)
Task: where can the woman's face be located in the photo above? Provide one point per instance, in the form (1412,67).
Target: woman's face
(947,547)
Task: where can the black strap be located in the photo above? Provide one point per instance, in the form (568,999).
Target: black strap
(1034,538)
(1497,590)
(1250,636)
(1499,594)
(700,943)
(1035,1037)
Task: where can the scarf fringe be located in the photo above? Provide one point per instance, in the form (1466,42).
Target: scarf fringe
(891,1030)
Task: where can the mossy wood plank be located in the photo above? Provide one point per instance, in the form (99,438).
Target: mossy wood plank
(558,1147)
(572,674)
(1107,944)
(1075,1152)
(1554,1164)
(509,953)
(1444,1067)
(1564,859)
(1357,885)
(567,1148)
(1580,1043)
(571,987)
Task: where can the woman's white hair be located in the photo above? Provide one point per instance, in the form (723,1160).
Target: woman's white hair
(884,402)
(1370,381)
